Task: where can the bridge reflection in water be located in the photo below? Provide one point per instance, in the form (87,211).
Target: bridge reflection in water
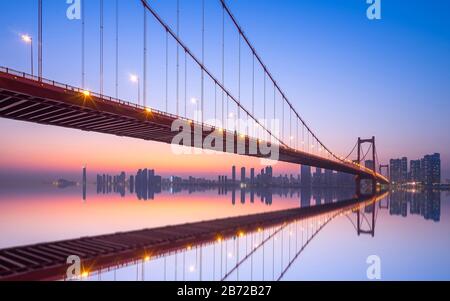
(221,248)
(266,253)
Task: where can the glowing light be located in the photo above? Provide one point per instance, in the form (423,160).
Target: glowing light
(241,234)
(85,274)
(260,229)
(242,136)
(219,239)
(147,258)
(230,255)
(148,110)
(189,248)
(134,78)
(86,93)
(194,100)
(26,38)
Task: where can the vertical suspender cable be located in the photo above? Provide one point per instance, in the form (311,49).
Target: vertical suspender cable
(185,84)
(83,43)
(40,38)
(290,126)
(253,86)
(117,48)
(145,60)
(228,112)
(303,137)
(178,57)
(203,60)
(264,96)
(274,102)
(167,71)
(282,120)
(223,65)
(101,46)
(215,105)
(239,82)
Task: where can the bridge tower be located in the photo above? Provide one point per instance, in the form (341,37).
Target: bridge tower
(374,165)
(361,216)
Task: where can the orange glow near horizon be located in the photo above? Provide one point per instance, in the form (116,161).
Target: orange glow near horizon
(59,149)
(26,221)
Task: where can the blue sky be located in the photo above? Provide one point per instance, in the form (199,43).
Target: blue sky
(346,75)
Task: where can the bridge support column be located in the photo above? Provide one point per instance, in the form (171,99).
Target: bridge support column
(373,167)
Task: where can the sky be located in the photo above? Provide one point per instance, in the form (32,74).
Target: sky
(346,75)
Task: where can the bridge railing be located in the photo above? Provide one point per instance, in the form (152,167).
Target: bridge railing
(80,90)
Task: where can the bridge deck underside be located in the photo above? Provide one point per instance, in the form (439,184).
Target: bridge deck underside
(48,260)
(32,101)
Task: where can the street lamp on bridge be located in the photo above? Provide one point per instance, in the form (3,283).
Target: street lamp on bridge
(135,79)
(29,40)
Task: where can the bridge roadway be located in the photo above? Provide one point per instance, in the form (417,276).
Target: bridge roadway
(47,261)
(26,98)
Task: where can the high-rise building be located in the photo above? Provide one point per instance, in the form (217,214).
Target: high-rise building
(252,176)
(415,171)
(328,178)
(84,182)
(233,174)
(243,179)
(267,176)
(432,169)
(399,170)
(84,175)
(317,177)
(305,176)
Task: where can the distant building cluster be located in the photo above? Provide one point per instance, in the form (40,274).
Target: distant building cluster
(145,183)
(265,178)
(191,181)
(426,171)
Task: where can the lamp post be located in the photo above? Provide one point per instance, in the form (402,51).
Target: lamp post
(29,40)
(135,79)
(194,101)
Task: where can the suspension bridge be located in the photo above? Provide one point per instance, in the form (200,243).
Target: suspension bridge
(34,98)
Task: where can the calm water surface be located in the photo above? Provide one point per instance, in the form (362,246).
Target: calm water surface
(408,231)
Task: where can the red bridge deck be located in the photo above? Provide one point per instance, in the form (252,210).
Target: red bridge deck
(24,97)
